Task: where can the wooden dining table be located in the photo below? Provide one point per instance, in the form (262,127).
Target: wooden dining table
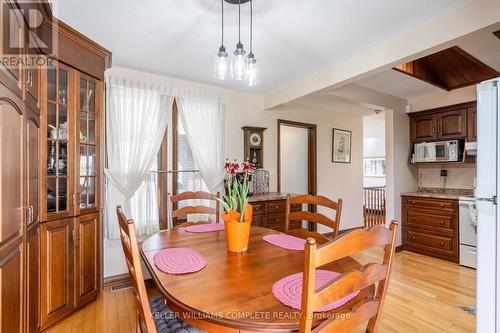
(233,293)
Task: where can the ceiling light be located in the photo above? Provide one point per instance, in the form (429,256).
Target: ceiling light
(221,60)
(243,67)
(238,58)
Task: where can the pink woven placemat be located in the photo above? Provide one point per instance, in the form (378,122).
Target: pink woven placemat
(288,290)
(179,260)
(207,227)
(286,241)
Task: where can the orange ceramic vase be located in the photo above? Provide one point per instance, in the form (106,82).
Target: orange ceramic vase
(237,233)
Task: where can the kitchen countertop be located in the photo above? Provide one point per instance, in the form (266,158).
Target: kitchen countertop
(269,196)
(438,193)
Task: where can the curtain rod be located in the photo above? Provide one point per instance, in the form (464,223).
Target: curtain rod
(174,171)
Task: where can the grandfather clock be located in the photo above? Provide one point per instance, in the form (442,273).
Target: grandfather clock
(253,138)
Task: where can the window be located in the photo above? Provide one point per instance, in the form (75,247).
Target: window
(185,176)
(374,167)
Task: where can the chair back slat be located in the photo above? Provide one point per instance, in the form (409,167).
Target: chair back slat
(316,200)
(312,217)
(199,209)
(350,282)
(131,252)
(193,210)
(360,313)
(353,242)
(188,195)
(357,279)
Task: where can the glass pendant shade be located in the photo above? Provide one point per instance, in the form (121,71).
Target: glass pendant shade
(238,63)
(221,64)
(251,70)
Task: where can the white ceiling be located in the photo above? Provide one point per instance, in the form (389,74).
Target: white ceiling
(292,38)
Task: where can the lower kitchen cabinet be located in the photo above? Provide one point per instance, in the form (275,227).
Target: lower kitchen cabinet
(70,266)
(430,227)
(32,277)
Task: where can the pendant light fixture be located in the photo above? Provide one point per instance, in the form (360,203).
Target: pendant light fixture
(238,58)
(243,67)
(221,60)
(251,66)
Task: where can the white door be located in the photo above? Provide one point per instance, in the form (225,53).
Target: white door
(294,156)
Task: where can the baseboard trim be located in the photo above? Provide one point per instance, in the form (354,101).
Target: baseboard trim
(116,279)
(399,248)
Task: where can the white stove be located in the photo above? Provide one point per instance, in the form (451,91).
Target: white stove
(467,220)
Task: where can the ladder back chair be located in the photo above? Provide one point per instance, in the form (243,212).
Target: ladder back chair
(199,209)
(348,282)
(317,200)
(164,320)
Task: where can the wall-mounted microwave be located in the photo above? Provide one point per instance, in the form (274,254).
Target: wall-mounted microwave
(440,151)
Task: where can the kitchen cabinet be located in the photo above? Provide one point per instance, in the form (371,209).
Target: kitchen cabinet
(11,294)
(452,124)
(472,124)
(444,123)
(430,226)
(32,280)
(423,128)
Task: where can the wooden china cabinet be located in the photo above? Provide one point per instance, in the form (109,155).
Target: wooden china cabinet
(72,106)
(51,168)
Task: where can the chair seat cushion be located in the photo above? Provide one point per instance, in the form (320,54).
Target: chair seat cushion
(166,320)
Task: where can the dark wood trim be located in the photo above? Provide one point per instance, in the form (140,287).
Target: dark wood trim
(312,152)
(312,168)
(116,279)
(399,248)
(162,179)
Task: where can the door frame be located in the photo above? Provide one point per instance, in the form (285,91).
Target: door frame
(312,169)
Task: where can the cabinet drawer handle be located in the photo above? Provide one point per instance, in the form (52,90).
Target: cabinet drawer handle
(442,243)
(413,202)
(442,205)
(442,222)
(276,206)
(413,218)
(413,237)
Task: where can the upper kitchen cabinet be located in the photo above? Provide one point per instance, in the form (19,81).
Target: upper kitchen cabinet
(423,128)
(445,123)
(472,123)
(452,124)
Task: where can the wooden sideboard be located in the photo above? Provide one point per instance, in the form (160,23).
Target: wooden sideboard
(430,226)
(269,211)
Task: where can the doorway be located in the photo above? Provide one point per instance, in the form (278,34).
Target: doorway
(296,157)
(374,175)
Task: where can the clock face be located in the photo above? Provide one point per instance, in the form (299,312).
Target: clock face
(255,139)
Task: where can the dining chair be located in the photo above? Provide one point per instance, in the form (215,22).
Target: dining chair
(348,282)
(199,209)
(317,200)
(152,316)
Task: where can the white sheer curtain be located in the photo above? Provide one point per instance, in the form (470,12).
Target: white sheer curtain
(136,119)
(204,120)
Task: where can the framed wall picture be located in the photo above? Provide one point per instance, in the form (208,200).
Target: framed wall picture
(341,146)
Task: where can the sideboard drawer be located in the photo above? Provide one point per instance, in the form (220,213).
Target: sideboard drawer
(427,219)
(295,207)
(258,208)
(276,206)
(430,203)
(276,222)
(258,220)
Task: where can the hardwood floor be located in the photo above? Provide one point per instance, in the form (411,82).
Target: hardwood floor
(424,296)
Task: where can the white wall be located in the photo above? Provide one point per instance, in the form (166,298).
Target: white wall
(458,178)
(443,98)
(335,180)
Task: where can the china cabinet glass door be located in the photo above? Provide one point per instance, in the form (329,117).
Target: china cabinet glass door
(58,137)
(88,132)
